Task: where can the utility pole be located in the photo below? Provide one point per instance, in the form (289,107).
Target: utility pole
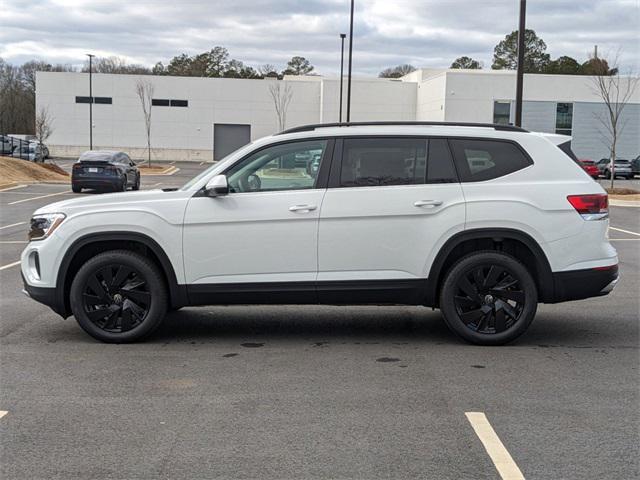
(520,71)
(90,104)
(350,63)
(342,37)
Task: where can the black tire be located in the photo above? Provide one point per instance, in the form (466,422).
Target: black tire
(488,298)
(136,186)
(123,185)
(607,174)
(76,189)
(119,296)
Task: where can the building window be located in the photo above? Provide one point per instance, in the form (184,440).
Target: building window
(564,118)
(101,100)
(502,112)
(165,102)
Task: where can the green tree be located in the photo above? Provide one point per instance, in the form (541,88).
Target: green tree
(505,53)
(298,66)
(217,59)
(397,71)
(564,66)
(159,69)
(466,62)
(597,66)
(180,65)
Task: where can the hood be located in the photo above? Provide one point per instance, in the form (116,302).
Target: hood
(109,201)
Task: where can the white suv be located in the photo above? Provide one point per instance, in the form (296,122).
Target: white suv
(481,221)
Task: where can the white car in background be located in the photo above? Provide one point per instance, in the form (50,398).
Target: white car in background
(481,221)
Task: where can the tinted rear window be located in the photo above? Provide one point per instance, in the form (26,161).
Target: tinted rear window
(479,159)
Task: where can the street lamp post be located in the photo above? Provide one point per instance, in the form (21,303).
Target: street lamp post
(342,37)
(350,62)
(90,104)
(520,71)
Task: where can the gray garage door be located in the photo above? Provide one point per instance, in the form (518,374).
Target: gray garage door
(228,137)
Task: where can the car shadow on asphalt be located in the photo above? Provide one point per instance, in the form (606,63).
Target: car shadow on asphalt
(356,324)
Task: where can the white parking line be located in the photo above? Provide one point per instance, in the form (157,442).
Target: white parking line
(12,225)
(12,188)
(501,458)
(624,231)
(41,196)
(9,265)
(3,413)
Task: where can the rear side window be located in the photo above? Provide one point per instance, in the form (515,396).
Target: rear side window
(478,160)
(383,161)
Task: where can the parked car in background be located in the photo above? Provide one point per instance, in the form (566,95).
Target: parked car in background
(6,145)
(622,168)
(43,148)
(635,166)
(590,167)
(103,169)
(30,151)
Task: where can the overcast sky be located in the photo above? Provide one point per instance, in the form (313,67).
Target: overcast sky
(425,33)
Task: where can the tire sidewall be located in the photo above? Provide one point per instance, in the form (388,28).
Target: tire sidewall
(488,258)
(155,283)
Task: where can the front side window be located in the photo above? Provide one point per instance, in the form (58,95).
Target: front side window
(288,166)
(478,160)
(564,118)
(370,162)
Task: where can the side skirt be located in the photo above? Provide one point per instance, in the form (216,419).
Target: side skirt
(355,292)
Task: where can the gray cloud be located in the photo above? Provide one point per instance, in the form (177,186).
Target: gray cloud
(429,33)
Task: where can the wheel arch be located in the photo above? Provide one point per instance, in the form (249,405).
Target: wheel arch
(92,243)
(520,244)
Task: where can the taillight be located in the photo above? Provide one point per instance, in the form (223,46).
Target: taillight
(77,166)
(592,206)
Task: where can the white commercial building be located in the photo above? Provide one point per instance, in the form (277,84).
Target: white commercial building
(205,118)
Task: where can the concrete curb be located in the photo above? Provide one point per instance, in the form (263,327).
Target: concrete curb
(625,203)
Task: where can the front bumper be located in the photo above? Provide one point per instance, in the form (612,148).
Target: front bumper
(587,283)
(47,296)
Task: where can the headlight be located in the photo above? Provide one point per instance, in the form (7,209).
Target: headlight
(43,225)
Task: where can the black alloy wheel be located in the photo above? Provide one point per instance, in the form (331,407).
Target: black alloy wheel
(116,298)
(488,298)
(119,296)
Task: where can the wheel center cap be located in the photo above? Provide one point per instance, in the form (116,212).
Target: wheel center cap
(488,299)
(117,299)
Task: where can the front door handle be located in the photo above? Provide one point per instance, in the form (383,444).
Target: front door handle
(302,208)
(427,203)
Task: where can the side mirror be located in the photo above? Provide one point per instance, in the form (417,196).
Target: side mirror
(217,186)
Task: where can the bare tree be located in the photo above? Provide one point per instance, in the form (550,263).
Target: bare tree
(615,91)
(43,129)
(281,100)
(144,90)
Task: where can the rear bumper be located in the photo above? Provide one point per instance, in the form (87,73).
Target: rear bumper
(580,284)
(96,182)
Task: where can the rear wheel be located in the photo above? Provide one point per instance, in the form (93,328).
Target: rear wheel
(118,296)
(607,174)
(488,298)
(76,188)
(136,186)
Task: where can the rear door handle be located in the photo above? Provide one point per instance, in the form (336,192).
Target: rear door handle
(427,203)
(302,208)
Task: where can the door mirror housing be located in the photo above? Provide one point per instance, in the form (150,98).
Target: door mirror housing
(217,186)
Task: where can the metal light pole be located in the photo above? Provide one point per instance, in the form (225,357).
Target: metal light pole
(90,104)
(350,62)
(342,37)
(520,71)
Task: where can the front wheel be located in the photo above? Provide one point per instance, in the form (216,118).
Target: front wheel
(607,174)
(118,296)
(136,186)
(488,298)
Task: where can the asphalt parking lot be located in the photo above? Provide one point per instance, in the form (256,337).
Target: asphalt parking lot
(315,392)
